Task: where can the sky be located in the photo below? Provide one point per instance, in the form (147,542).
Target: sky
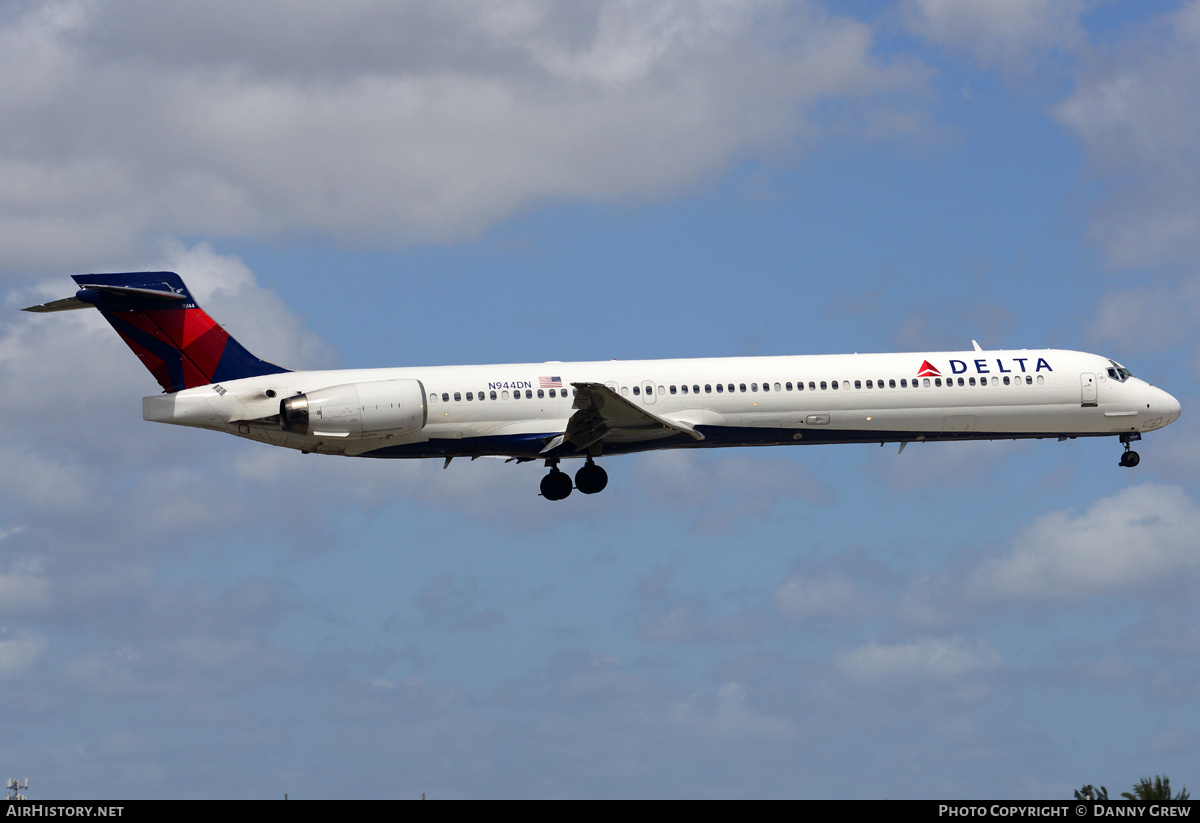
(375,184)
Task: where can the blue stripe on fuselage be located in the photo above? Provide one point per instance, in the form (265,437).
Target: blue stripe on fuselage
(531,445)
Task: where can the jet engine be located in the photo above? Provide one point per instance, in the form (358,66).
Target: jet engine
(357,410)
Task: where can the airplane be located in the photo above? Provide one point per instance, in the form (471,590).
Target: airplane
(553,411)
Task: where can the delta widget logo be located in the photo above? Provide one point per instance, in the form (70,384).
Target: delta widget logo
(928,370)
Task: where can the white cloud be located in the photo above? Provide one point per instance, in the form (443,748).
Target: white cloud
(946,465)
(391,122)
(727,716)
(1147,318)
(693,623)
(19,650)
(456,604)
(259,318)
(802,596)
(724,488)
(1004,32)
(1140,539)
(1136,112)
(930,659)
(185,640)
(24,587)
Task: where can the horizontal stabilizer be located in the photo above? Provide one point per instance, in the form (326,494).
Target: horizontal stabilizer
(66,304)
(88,300)
(134,293)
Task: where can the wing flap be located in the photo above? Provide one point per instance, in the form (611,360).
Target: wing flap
(603,415)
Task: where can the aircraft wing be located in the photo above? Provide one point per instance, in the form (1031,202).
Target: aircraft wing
(602,415)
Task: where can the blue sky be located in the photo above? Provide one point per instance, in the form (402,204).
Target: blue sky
(382,184)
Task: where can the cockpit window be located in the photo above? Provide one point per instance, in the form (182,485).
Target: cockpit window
(1119,372)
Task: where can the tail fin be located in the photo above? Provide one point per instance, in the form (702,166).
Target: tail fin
(159,320)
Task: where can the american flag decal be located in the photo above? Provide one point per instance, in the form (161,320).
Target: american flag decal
(550,382)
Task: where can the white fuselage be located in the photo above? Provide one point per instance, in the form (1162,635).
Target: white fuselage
(518,409)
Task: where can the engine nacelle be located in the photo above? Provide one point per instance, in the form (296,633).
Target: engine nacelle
(357,410)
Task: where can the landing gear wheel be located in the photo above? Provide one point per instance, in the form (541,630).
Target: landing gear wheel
(591,479)
(1130,459)
(556,485)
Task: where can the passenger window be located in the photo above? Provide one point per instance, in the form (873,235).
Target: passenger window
(492,395)
(1006,380)
(457,397)
(937,381)
(541,393)
(624,391)
(637,391)
(445,397)
(1028,380)
(708,388)
(753,387)
(788,385)
(432,397)
(869,386)
(696,388)
(891,384)
(824,385)
(833,384)
(683,389)
(729,387)
(720,388)
(925,382)
(1041,379)
(995,381)
(858,384)
(812,386)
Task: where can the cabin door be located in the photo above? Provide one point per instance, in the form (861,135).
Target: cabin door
(1087,383)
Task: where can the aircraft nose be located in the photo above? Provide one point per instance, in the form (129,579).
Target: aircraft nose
(1173,409)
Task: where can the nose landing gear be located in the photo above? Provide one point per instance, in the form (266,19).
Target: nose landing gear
(1130,458)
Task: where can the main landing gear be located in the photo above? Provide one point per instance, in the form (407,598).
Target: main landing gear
(1130,458)
(557,484)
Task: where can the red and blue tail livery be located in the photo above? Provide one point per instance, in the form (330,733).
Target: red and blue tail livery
(592,411)
(159,320)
